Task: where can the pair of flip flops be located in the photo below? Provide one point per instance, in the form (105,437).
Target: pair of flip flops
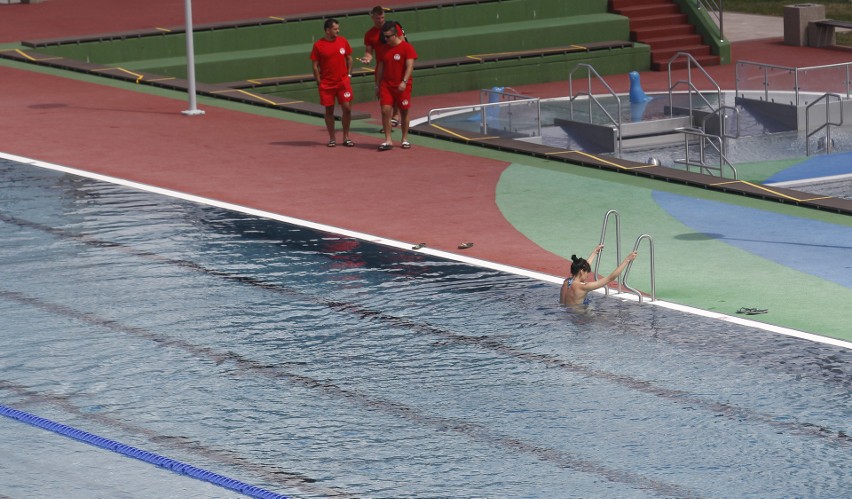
(385,146)
(423,245)
(752,311)
(346,143)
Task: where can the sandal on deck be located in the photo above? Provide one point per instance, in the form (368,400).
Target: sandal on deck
(331,143)
(406,144)
(348,143)
(752,311)
(465,245)
(385,147)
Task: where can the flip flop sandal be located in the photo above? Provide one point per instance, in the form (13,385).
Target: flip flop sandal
(348,143)
(385,147)
(465,245)
(406,145)
(418,246)
(752,311)
(331,143)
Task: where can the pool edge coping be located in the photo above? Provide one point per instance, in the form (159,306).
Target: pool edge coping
(407,246)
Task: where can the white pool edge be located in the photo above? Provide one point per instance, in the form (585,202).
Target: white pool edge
(426,250)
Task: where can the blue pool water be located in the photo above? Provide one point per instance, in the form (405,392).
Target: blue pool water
(315,365)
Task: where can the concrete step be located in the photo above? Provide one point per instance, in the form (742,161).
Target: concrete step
(676,41)
(658,20)
(651,128)
(662,64)
(621,4)
(667,53)
(645,142)
(648,10)
(660,31)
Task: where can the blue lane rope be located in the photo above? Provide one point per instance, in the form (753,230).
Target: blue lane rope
(142,455)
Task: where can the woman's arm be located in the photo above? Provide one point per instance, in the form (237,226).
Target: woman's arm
(594,253)
(589,286)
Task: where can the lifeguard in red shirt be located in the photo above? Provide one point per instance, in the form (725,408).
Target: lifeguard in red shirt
(332,65)
(394,73)
(373,40)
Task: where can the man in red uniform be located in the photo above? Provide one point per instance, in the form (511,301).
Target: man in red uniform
(372,41)
(394,70)
(332,64)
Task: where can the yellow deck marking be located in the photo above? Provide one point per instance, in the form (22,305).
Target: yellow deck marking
(606,162)
(479,57)
(138,76)
(24,54)
(165,30)
(557,153)
(259,81)
(771,191)
(257,97)
(454,134)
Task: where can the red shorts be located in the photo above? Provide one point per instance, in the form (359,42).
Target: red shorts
(389,95)
(341,91)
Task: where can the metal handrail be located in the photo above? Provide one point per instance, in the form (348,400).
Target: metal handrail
(617,244)
(722,116)
(653,271)
(482,108)
(615,122)
(705,139)
(502,93)
(826,125)
(690,60)
(795,71)
(716,10)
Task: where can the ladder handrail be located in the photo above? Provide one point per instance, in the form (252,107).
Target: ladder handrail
(589,70)
(723,116)
(630,265)
(705,138)
(690,60)
(482,109)
(826,125)
(617,244)
(715,8)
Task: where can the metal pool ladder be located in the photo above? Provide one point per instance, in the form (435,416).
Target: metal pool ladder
(622,280)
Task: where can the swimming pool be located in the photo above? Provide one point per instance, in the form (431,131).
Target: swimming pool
(318,365)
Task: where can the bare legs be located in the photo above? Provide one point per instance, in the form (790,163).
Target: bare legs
(345,119)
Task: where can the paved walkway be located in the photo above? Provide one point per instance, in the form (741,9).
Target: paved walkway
(517,210)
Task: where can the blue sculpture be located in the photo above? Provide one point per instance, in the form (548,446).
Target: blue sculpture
(637,95)
(496,95)
(638,99)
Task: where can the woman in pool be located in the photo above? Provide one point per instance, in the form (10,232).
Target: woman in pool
(575,288)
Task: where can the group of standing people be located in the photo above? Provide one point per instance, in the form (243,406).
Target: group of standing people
(385,43)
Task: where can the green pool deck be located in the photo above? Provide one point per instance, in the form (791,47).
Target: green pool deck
(562,209)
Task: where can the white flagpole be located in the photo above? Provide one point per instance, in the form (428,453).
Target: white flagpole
(190,62)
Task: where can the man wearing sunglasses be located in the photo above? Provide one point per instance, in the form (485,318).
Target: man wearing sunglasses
(394,68)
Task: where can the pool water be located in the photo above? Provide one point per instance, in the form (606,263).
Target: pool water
(316,365)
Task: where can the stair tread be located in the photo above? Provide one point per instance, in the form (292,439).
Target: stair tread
(691,38)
